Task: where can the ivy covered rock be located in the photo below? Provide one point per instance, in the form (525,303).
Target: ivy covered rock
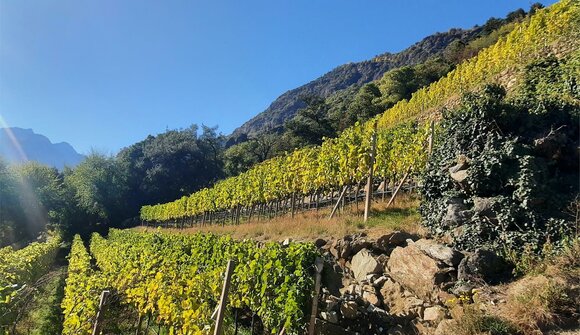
(503,171)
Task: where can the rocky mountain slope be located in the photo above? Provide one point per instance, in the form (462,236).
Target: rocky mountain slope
(35,147)
(349,75)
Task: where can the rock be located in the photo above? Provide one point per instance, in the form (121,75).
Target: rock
(319,243)
(286,242)
(383,259)
(397,330)
(358,244)
(484,206)
(416,271)
(341,248)
(459,176)
(331,302)
(482,264)
(456,215)
(446,327)
(463,288)
(420,327)
(445,298)
(434,314)
(372,298)
(329,316)
(439,252)
(363,264)
(462,164)
(349,309)
(391,291)
(379,282)
(332,277)
(326,328)
(391,240)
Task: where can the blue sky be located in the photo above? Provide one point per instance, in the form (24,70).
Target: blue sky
(105,74)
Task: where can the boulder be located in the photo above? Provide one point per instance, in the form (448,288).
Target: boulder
(459,176)
(326,328)
(349,309)
(434,314)
(456,215)
(332,277)
(341,248)
(371,298)
(363,264)
(446,327)
(482,265)
(439,252)
(484,206)
(415,270)
(359,243)
(319,243)
(391,240)
(391,291)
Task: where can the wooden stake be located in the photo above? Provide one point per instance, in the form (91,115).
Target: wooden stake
(319,265)
(399,186)
(337,202)
(431,136)
(100,312)
(369,189)
(224,298)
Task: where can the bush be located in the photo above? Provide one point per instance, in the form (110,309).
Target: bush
(519,166)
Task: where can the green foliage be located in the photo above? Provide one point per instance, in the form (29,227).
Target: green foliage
(169,165)
(178,278)
(525,182)
(311,124)
(99,187)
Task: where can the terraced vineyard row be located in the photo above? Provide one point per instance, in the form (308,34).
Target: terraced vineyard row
(20,268)
(176,279)
(401,136)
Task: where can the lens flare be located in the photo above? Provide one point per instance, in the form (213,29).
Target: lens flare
(33,209)
(15,144)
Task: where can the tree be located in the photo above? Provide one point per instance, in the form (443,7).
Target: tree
(170,165)
(99,189)
(311,124)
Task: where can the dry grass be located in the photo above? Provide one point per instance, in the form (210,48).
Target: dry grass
(549,299)
(311,225)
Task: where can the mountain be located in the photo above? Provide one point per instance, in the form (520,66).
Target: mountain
(18,145)
(349,75)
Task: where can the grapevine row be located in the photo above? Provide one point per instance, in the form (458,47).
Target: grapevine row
(23,267)
(176,279)
(400,143)
(81,295)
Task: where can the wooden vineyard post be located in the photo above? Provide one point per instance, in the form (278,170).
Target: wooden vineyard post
(337,202)
(319,265)
(224,298)
(100,313)
(369,189)
(293,204)
(399,186)
(431,136)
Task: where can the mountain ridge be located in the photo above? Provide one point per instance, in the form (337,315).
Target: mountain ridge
(347,75)
(36,147)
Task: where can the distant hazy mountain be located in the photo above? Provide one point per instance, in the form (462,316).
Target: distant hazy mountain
(35,147)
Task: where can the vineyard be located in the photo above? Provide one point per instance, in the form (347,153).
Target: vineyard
(401,135)
(174,281)
(18,270)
